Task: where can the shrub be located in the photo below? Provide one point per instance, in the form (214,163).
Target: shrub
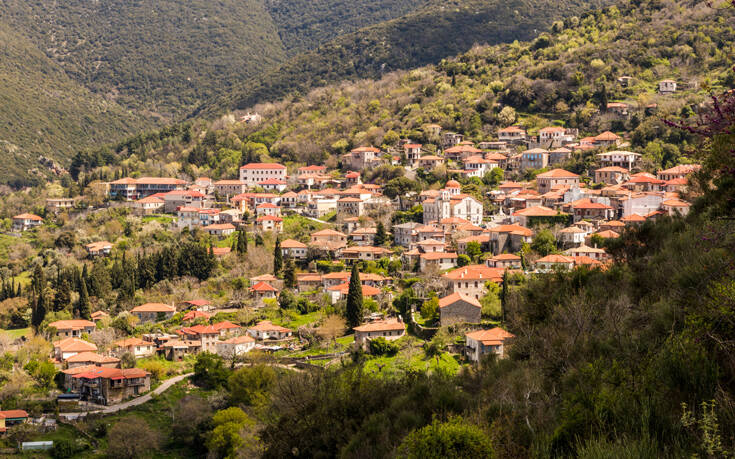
(381,346)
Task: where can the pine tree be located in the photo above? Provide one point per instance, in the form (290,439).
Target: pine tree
(289,274)
(380,236)
(83,305)
(277,258)
(354,299)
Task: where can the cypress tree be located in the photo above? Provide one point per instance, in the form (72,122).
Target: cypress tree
(39,310)
(243,242)
(258,240)
(289,274)
(277,257)
(83,304)
(504,295)
(380,235)
(354,299)
(62,299)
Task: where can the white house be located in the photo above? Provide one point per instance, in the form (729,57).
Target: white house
(255,173)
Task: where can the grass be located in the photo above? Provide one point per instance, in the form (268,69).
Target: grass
(17,332)
(343,343)
(163,219)
(414,361)
(294,320)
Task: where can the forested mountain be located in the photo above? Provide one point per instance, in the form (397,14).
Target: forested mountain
(305,24)
(425,36)
(150,63)
(564,77)
(44,112)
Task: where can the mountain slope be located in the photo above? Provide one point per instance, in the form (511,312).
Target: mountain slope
(440,29)
(163,55)
(305,24)
(44,112)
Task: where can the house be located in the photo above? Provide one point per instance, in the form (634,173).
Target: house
(535,158)
(554,178)
(606,139)
(267,208)
(390,329)
(92,358)
(461,152)
(667,87)
(95,249)
(585,251)
(328,239)
(235,346)
(128,189)
(559,155)
(450,139)
(449,204)
(439,260)
(183,198)
(339,292)
(509,238)
(363,236)
(148,205)
(412,152)
(531,215)
(207,335)
(586,209)
(363,253)
(220,229)
(58,204)
(470,280)
(477,166)
(96,316)
(552,262)
(504,261)
(612,175)
(320,206)
(229,188)
(430,162)
(12,417)
(432,130)
(618,108)
(482,342)
(269,223)
(681,171)
(68,347)
(623,159)
(350,207)
(26,221)
(265,329)
(263,290)
(194,315)
(176,349)
(512,134)
(274,184)
(625,81)
(72,328)
(255,173)
(199,305)
(112,385)
(135,346)
(675,207)
(458,308)
(153,312)
(363,158)
(293,249)
(572,235)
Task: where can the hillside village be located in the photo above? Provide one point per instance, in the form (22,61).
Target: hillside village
(427,261)
(469,244)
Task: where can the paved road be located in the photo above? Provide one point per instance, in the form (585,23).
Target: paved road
(135,401)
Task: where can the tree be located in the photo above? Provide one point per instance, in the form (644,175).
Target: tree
(544,243)
(430,308)
(131,437)
(210,371)
(286,299)
(227,436)
(277,257)
(83,309)
(507,116)
(493,177)
(354,299)
(452,439)
(40,305)
(380,236)
(381,346)
(490,302)
(289,274)
(251,385)
(463,260)
(474,251)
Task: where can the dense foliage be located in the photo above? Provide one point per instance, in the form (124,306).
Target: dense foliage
(425,36)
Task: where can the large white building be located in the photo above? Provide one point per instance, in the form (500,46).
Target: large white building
(451,203)
(254,173)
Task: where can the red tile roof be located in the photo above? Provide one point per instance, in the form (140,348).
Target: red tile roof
(456,297)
